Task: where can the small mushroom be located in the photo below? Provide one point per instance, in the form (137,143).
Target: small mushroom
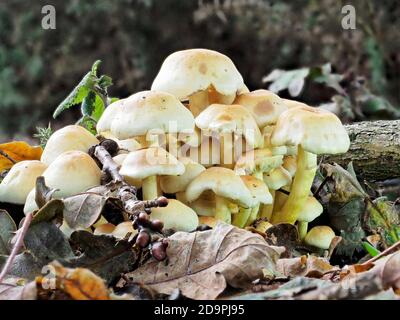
(260,193)
(146,165)
(144,116)
(20,180)
(311,210)
(177,184)
(122,229)
(290,165)
(70,173)
(105,228)
(320,237)
(208,221)
(314,131)
(264,105)
(176,216)
(201,76)
(230,123)
(227,187)
(275,179)
(256,162)
(69,138)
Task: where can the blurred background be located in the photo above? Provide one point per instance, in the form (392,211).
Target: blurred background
(354,72)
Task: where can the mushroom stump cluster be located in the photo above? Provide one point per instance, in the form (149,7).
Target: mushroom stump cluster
(201,139)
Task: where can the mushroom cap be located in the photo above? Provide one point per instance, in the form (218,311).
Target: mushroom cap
(290,165)
(122,229)
(174,184)
(267,132)
(203,207)
(320,237)
(311,210)
(189,71)
(155,111)
(209,221)
(154,161)
(105,228)
(258,189)
(119,159)
(20,180)
(232,118)
(264,105)
(69,138)
(317,131)
(223,182)
(277,178)
(71,172)
(293,103)
(257,160)
(176,215)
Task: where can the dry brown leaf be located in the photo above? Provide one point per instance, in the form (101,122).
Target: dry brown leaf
(202,264)
(17,151)
(79,283)
(306,266)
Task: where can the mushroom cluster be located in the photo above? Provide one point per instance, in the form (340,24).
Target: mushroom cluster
(200,138)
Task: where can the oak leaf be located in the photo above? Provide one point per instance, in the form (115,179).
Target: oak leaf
(202,264)
(17,151)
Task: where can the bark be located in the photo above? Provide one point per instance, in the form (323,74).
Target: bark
(374,150)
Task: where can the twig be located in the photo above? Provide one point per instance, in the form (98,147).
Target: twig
(393,248)
(357,288)
(17,246)
(150,232)
(5,155)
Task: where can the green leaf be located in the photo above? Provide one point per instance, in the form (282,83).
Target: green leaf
(88,102)
(95,66)
(373,252)
(98,108)
(88,123)
(76,96)
(105,81)
(85,86)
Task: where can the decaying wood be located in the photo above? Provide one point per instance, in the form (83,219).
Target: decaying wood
(374,150)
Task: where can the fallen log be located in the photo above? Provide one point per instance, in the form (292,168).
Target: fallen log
(374,150)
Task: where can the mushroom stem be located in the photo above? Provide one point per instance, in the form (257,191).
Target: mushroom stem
(240,218)
(306,168)
(198,102)
(266,210)
(253,215)
(181,196)
(226,150)
(302,227)
(222,211)
(150,188)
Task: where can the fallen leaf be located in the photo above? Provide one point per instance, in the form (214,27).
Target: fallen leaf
(25,265)
(104,255)
(78,283)
(202,264)
(287,290)
(7,228)
(83,210)
(11,291)
(51,210)
(391,273)
(305,266)
(43,193)
(47,243)
(284,235)
(18,151)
